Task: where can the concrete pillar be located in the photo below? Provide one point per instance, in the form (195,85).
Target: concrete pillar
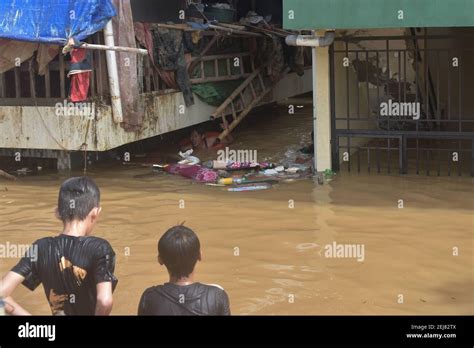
(322,109)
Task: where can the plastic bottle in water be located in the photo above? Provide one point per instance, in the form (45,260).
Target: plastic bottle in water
(215,164)
(230,181)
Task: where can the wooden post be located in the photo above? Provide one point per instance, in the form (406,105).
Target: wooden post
(147,75)
(47,82)
(62,79)
(92,77)
(32,79)
(3,90)
(17,82)
(98,64)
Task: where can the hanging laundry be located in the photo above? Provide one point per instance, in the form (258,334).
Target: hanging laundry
(170,47)
(145,38)
(80,74)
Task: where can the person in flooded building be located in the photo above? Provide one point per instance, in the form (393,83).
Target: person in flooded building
(179,250)
(75,268)
(204,141)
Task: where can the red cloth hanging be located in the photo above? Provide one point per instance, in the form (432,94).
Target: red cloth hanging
(80,86)
(80,74)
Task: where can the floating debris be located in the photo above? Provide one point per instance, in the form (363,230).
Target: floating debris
(249,188)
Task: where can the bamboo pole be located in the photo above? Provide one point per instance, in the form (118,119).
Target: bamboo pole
(267,31)
(183,27)
(234,31)
(114,48)
(112,69)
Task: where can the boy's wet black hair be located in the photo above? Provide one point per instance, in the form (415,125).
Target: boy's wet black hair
(77,197)
(179,249)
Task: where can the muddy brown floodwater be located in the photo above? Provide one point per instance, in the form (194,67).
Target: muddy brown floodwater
(281,266)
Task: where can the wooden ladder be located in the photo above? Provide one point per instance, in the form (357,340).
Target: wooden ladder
(241,102)
(216,76)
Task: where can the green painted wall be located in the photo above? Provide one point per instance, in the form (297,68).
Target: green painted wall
(351,14)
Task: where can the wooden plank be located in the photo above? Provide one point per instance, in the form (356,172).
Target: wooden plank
(229,71)
(62,76)
(216,68)
(17,82)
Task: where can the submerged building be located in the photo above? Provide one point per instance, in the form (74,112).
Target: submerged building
(393,81)
(149,89)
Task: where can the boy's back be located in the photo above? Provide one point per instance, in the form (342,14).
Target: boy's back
(193,299)
(179,249)
(69,268)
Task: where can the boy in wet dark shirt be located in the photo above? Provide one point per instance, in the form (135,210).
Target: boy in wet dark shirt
(179,250)
(76,269)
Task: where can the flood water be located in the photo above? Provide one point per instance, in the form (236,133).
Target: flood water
(269,257)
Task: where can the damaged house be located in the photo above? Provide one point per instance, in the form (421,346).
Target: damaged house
(91,77)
